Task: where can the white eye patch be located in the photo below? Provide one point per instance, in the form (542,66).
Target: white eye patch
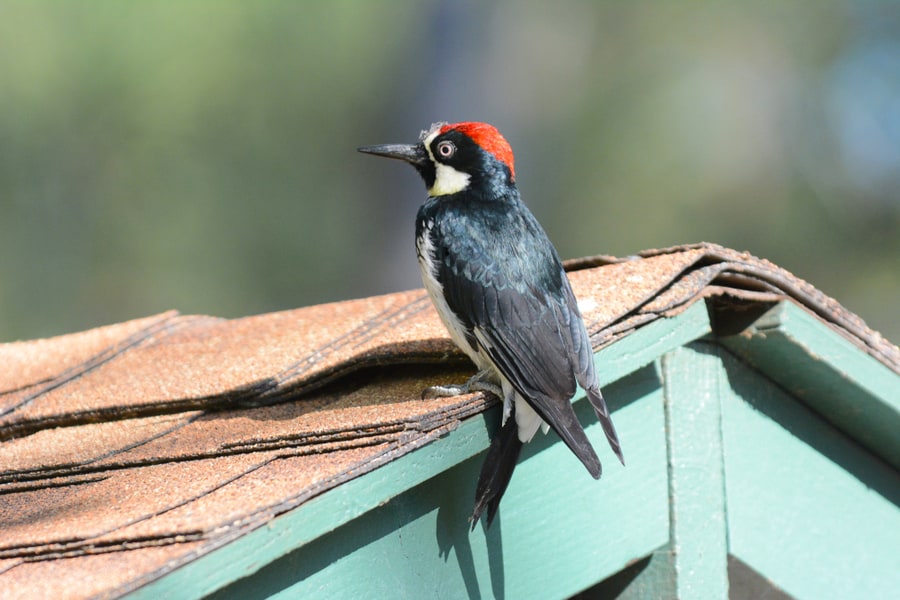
(447,180)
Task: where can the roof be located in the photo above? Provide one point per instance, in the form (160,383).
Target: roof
(130,450)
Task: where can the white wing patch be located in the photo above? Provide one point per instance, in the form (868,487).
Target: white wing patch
(527,419)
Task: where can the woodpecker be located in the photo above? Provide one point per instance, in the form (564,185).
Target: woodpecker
(499,287)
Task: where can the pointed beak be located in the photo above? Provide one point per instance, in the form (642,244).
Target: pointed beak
(412,153)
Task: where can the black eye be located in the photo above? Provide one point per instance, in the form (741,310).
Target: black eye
(446,149)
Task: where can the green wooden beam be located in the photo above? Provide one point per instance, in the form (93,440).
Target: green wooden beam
(351,500)
(808,508)
(317,517)
(853,390)
(645,345)
(558,531)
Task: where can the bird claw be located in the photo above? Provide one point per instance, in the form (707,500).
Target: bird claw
(480,382)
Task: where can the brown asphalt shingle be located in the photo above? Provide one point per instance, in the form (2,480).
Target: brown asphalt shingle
(131,449)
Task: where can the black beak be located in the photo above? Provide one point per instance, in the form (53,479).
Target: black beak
(412,153)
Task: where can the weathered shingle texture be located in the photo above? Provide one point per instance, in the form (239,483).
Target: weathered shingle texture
(128,450)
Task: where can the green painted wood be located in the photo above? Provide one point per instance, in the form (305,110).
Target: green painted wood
(401,530)
(339,506)
(851,389)
(808,508)
(650,577)
(693,388)
(648,343)
(558,531)
(318,516)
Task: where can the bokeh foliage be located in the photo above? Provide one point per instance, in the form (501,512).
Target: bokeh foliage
(200,156)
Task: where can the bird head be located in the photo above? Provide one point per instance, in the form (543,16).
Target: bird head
(457,157)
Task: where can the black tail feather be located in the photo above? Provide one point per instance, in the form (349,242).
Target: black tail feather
(497,470)
(599,404)
(561,417)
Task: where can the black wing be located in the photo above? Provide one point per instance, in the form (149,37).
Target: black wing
(511,294)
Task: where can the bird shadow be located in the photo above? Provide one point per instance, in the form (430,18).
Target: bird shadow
(454,533)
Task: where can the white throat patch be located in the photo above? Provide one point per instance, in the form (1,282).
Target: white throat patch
(447,180)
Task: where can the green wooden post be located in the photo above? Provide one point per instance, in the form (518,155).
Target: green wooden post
(694,563)
(693,379)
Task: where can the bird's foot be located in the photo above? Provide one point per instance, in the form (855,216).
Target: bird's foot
(482,381)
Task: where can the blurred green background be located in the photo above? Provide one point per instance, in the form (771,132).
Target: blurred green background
(201,156)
